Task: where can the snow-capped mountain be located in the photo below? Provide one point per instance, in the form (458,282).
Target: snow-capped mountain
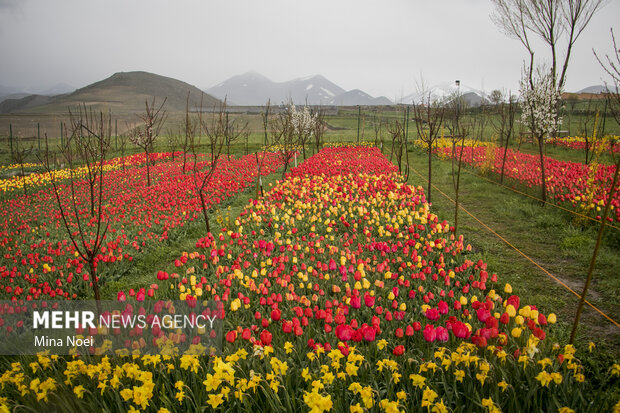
(447,91)
(252,88)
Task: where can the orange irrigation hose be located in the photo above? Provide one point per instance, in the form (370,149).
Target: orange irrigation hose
(614,322)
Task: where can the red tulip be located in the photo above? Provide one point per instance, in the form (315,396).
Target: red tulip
(429,333)
(398,350)
(369,333)
(246,334)
(265,337)
(231,336)
(344,332)
(442,334)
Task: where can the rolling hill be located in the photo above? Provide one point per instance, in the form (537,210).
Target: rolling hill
(123,92)
(593,89)
(357,97)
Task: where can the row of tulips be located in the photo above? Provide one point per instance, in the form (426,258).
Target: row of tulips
(342,292)
(15,166)
(42,179)
(443,142)
(39,261)
(606,144)
(584,188)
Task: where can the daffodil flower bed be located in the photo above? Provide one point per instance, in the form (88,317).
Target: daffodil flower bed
(343,292)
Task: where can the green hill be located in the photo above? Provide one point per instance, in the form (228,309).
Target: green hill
(126,92)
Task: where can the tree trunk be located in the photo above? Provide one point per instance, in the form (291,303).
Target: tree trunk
(458,187)
(203,205)
(148,171)
(542,170)
(91,184)
(501,179)
(285,168)
(93,275)
(21,164)
(430,159)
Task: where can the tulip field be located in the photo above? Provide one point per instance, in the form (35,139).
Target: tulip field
(342,290)
(581,187)
(38,260)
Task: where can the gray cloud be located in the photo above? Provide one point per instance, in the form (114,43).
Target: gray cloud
(378,47)
(9,4)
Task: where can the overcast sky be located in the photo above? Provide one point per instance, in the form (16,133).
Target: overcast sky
(381,47)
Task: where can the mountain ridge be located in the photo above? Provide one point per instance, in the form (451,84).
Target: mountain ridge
(252,88)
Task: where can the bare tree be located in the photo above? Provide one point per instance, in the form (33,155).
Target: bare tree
(571,102)
(189,129)
(265,118)
(20,154)
(496,97)
(611,65)
(86,145)
(122,146)
(586,126)
(455,106)
(504,124)
(268,146)
(377,126)
(232,132)
(144,135)
(429,116)
(397,132)
(558,23)
(463,131)
(283,131)
(215,129)
(173,142)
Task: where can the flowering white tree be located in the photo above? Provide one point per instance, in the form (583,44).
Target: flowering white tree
(539,110)
(303,122)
